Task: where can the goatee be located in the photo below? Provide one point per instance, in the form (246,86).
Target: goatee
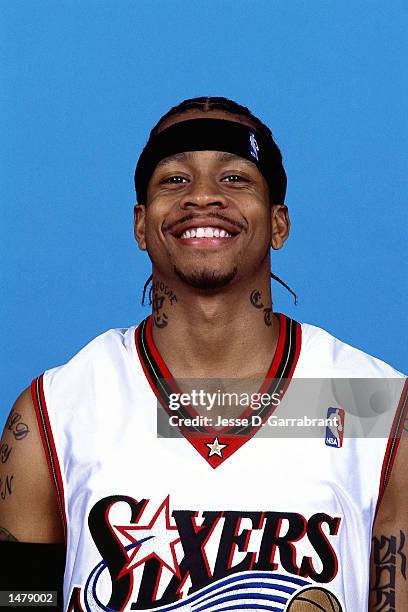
(206,280)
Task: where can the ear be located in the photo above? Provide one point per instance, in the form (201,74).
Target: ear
(139,212)
(280,225)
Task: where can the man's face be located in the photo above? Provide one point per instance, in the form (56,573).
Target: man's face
(208,216)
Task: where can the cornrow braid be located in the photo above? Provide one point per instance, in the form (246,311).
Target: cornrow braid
(209,103)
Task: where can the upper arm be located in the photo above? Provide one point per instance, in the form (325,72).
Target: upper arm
(28,506)
(389,570)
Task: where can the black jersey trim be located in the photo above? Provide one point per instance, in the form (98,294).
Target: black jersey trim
(278,376)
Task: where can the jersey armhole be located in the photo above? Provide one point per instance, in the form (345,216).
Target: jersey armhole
(37,392)
(393,443)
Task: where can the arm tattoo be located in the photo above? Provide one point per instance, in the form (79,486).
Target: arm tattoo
(6,536)
(389,561)
(5,451)
(16,426)
(5,487)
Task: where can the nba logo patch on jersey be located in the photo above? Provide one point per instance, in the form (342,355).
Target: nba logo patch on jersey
(335,431)
(253,146)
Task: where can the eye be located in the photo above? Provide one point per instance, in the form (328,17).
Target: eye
(174,180)
(233,178)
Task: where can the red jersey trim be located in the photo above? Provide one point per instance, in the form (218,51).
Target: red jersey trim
(393,443)
(37,392)
(161,382)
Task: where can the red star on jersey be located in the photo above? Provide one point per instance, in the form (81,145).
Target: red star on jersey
(159,541)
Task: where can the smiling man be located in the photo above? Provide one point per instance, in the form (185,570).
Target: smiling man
(215,516)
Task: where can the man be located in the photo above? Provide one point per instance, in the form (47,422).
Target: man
(219,518)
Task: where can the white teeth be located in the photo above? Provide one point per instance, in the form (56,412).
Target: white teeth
(205,232)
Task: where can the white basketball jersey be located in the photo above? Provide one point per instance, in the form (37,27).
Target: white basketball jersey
(210,521)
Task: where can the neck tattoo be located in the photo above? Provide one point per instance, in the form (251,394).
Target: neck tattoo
(162,300)
(256,300)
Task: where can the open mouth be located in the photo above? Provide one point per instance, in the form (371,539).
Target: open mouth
(205,232)
(206,236)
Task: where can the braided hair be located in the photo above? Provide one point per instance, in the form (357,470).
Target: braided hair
(209,103)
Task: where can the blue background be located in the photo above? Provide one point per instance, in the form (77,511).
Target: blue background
(83,83)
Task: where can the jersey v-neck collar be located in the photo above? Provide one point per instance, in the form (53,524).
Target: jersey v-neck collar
(216,445)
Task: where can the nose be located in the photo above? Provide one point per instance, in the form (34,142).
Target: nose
(204,191)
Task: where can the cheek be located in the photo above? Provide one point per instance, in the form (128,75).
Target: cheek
(158,249)
(152,231)
(258,216)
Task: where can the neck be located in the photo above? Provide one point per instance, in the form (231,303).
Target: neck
(220,334)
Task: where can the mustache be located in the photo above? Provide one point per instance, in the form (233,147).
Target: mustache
(214,215)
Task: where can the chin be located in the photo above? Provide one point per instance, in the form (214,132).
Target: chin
(206,280)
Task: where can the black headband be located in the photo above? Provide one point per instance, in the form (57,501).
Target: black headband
(213,135)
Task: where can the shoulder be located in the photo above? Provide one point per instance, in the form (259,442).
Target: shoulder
(96,365)
(323,355)
(111,340)
(102,350)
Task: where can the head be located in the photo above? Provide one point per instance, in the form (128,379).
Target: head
(210,201)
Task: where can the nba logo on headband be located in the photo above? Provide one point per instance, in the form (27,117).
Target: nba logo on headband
(253,146)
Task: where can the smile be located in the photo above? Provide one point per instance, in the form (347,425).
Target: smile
(205,232)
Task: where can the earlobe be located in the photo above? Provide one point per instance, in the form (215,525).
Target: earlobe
(280,226)
(139,225)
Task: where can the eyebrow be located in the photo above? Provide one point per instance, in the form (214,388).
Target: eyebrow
(221,156)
